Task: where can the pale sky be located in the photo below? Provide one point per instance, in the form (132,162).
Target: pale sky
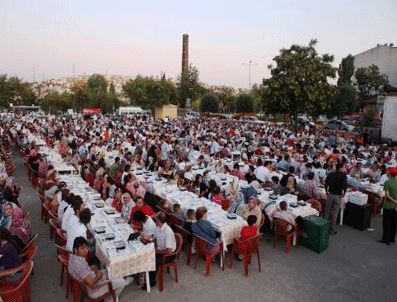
(145,37)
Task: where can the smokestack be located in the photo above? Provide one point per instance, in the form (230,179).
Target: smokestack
(185,52)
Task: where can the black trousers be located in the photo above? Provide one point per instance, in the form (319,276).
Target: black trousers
(159,261)
(389,225)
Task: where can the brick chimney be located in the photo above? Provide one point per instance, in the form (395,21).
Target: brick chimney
(185,52)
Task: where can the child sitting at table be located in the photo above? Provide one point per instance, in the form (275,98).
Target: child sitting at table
(177,210)
(190,219)
(247,232)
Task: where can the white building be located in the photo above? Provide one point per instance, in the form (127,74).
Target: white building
(384,56)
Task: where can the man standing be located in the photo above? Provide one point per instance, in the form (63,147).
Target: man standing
(390,209)
(335,186)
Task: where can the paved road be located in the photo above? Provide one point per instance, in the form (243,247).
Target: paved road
(354,268)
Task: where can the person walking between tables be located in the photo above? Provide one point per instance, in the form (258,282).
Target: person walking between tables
(335,186)
(390,208)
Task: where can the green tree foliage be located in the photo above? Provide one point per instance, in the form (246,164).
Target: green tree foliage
(97,83)
(55,102)
(245,103)
(346,70)
(226,96)
(189,86)
(370,82)
(299,82)
(148,92)
(343,102)
(369,117)
(112,102)
(209,103)
(14,90)
(79,95)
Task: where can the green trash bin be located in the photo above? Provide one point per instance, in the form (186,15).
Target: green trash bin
(315,233)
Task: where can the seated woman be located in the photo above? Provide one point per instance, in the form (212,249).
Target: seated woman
(166,171)
(13,220)
(141,206)
(237,172)
(252,208)
(10,257)
(220,199)
(116,200)
(291,187)
(203,228)
(199,187)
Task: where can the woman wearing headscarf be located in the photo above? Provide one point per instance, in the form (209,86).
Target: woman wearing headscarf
(14,220)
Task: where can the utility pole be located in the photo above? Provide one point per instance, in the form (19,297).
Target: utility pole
(249,71)
(34,73)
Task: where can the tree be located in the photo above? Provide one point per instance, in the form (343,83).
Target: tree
(148,92)
(370,82)
(209,103)
(14,90)
(189,86)
(369,116)
(343,101)
(299,82)
(55,102)
(346,70)
(97,83)
(79,95)
(245,103)
(226,96)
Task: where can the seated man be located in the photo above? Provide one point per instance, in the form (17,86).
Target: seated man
(144,223)
(165,244)
(79,230)
(203,228)
(309,187)
(91,276)
(284,215)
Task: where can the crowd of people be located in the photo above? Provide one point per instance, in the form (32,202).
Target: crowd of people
(105,149)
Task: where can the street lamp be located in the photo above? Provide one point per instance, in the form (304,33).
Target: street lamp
(249,71)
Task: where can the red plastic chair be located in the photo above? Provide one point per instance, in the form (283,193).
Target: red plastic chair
(173,264)
(246,248)
(79,289)
(29,253)
(64,259)
(18,291)
(173,220)
(54,225)
(282,231)
(209,251)
(60,238)
(30,243)
(187,241)
(315,204)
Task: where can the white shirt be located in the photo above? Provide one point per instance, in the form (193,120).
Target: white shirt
(149,227)
(61,209)
(79,230)
(260,173)
(165,238)
(72,223)
(66,217)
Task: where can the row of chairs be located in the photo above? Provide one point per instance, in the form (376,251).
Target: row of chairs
(19,291)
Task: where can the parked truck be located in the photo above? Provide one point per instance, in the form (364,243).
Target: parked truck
(389,120)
